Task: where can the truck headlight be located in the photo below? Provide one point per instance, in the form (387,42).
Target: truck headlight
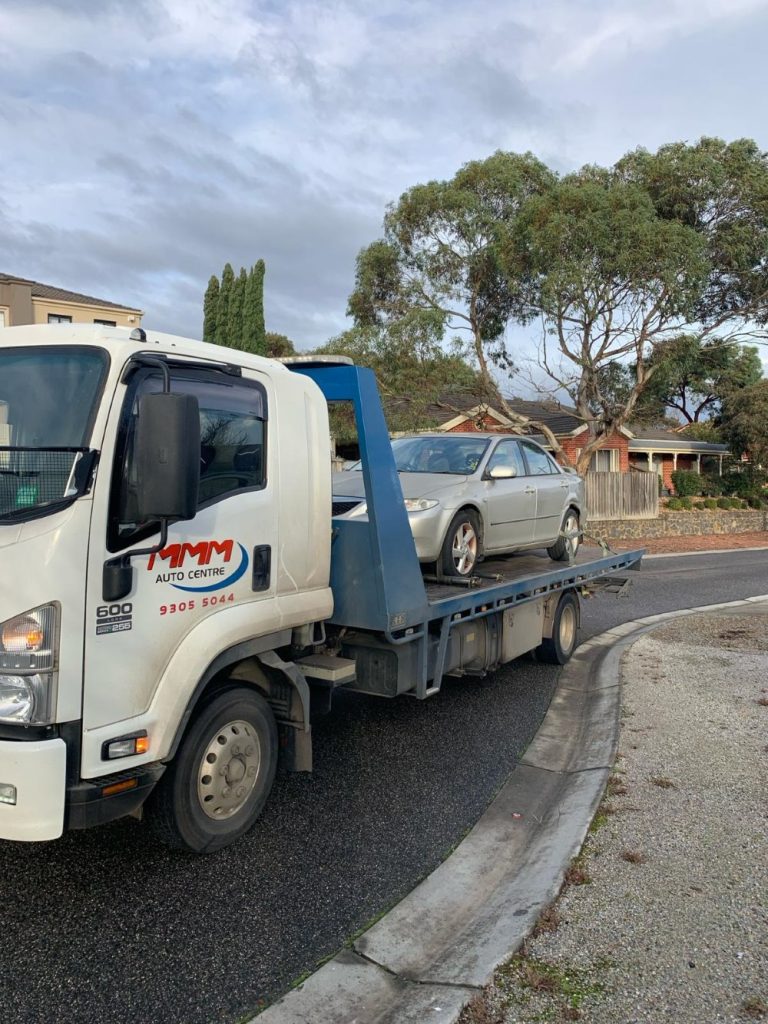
(28,661)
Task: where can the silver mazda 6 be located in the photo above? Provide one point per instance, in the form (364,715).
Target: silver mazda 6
(469,496)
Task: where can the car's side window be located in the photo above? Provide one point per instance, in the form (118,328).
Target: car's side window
(232,446)
(507,454)
(539,463)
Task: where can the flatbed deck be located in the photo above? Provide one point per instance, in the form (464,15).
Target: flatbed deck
(504,581)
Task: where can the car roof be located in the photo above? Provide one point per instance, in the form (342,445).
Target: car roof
(472,435)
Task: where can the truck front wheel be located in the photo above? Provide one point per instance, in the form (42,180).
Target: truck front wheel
(222,774)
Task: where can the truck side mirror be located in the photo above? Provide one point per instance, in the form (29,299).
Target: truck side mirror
(167,454)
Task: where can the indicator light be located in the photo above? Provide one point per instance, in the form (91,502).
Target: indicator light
(22,634)
(125,746)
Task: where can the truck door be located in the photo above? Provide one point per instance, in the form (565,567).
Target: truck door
(511,503)
(220,559)
(551,491)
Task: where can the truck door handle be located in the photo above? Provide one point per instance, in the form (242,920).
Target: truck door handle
(262,567)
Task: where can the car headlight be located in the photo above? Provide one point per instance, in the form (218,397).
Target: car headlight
(28,656)
(420,504)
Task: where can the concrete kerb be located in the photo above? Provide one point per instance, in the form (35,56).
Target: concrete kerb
(426,958)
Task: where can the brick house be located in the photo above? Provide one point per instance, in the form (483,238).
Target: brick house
(613,455)
(30,302)
(665,451)
(638,449)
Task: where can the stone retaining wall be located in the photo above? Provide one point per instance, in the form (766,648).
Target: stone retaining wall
(680,524)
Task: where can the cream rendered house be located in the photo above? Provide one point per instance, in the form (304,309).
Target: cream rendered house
(30,302)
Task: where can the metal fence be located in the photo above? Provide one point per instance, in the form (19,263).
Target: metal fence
(630,495)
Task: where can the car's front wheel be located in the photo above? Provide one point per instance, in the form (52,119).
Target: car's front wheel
(567,544)
(462,547)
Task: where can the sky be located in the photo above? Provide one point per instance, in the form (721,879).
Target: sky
(147,142)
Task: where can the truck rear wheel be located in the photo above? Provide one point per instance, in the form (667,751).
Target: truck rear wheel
(222,774)
(557,649)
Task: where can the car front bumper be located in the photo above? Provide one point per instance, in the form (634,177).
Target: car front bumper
(428,529)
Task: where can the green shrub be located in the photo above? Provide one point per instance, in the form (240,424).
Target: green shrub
(709,503)
(711,486)
(686,504)
(744,482)
(673,505)
(686,482)
(755,501)
(699,505)
(724,503)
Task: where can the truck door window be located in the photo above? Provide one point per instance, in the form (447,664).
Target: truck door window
(232,446)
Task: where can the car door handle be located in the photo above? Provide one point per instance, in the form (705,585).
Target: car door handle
(530,490)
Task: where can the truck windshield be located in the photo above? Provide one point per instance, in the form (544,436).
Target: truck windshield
(48,398)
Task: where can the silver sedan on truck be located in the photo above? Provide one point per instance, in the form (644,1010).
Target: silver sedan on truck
(473,495)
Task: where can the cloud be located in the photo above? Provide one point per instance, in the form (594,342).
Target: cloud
(147,142)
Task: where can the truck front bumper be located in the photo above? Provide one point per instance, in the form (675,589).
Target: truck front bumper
(37,770)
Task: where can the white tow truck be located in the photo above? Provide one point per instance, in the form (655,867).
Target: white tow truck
(173,581)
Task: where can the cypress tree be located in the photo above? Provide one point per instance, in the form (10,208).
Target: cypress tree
(222,307)
(259,327)
(235,312)
(210,309)
(253,311)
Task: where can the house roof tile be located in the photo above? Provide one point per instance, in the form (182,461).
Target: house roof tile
(54,294)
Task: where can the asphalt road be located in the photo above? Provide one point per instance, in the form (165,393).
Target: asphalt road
(103,925)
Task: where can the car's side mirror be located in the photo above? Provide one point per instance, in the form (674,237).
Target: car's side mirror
(167,456)
(502,473)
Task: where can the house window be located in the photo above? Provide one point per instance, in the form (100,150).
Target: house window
(604,460)
(2,318)
(59,318)
(106,323)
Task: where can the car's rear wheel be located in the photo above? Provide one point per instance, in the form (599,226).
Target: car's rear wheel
(462,547)
(566,546)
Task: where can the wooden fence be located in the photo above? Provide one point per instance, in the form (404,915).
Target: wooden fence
(622,495)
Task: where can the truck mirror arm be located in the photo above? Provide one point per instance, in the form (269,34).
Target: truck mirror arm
(117,575)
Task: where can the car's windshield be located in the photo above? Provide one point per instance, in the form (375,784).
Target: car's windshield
(48,397)
(456,455)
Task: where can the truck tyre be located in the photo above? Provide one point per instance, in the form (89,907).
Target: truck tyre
(462,547)
(557,649)
(215,788)
(566,546)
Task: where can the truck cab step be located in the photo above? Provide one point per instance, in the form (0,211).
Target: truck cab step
(327,669)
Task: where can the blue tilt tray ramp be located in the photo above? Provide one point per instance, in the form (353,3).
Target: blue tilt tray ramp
(376,578)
